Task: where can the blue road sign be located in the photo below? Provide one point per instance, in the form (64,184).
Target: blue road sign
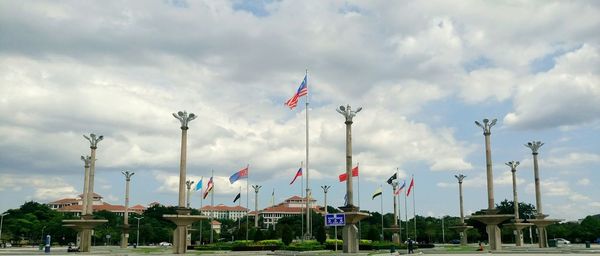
(335,219)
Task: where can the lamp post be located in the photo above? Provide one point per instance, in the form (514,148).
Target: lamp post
(44,227)
(94,140)
(256,189)
(487,127)
(443,232)
(461,227)
(395,227)
(183,218)
(351,212)
(1,222)
(325,189)
(137,240)
(188,184)
(540,221)
(125,236)
(517,225)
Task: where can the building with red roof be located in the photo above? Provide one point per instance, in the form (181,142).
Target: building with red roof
(293,206)
(75,205)
(222,211)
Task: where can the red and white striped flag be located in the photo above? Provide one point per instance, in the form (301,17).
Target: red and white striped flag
(302,90)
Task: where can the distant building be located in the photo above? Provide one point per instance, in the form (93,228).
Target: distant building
(75,205)
(222,211)
(293,206)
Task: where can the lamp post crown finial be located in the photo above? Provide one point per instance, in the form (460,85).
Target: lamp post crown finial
(513,165)
(487,125)
(184,118)
(534,146)
(460,177)
(93,139)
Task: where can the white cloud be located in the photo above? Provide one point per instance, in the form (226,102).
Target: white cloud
(584,182)
(42,188)
(572,82)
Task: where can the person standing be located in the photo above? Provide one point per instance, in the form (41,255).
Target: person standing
(410,246)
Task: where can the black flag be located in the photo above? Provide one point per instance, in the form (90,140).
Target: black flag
(389,181)
(237,197)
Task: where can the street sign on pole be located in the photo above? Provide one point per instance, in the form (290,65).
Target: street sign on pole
(335,219)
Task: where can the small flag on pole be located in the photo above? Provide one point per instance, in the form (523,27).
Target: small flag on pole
(199,185)
(377,193)
(209,187)
(410,187)
(243,173)
(343,176)
(395,176)
(298,174)
(302,90)
(238,196)
(397,192)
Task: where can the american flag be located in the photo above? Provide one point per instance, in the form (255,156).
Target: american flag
(302,90)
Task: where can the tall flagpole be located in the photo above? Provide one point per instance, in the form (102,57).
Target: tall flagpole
(248,200)
(240,205)
(201,199)
(302,208)
(381,213)
(406,211)
(212,204)
(414,211)
(399,210)
(358,183)
(307,184)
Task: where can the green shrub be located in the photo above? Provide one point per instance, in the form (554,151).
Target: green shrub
(270,242)
(308,245)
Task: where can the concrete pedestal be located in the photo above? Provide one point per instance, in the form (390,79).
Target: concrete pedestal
(395,235)
(541,223)
(462,229)
(350,232)
(518,227)
(125,236)
(84,228)
(182,219)
(491,220)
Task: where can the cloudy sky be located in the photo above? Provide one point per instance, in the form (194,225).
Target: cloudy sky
(423,71)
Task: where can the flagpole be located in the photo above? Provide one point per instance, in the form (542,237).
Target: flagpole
(240,205)
(358,183)
(381,212)
(307,180)
(406,211)
(212,203)
(201,199)
(414,211)
(247,199)
(399,210)
(302,208)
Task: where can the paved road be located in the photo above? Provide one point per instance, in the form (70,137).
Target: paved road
(439,250)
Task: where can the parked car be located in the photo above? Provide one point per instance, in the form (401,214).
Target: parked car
(455,241)
(164,244)
(562,241)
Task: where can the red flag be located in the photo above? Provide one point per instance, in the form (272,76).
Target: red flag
(298,173)
(412,184)
(343,176)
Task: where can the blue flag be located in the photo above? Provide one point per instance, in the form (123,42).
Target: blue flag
(199,185)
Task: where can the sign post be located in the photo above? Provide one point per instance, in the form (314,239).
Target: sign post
(335,220)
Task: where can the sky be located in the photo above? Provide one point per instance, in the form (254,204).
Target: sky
(423,71)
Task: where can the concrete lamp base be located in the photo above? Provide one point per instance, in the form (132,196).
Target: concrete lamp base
(462,230)
(491,220)
(541,223)
(350,232)
(183,219)
(518,227)
(84,229)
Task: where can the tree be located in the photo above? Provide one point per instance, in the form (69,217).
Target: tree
(287,235)
(320,234)
(258,235)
